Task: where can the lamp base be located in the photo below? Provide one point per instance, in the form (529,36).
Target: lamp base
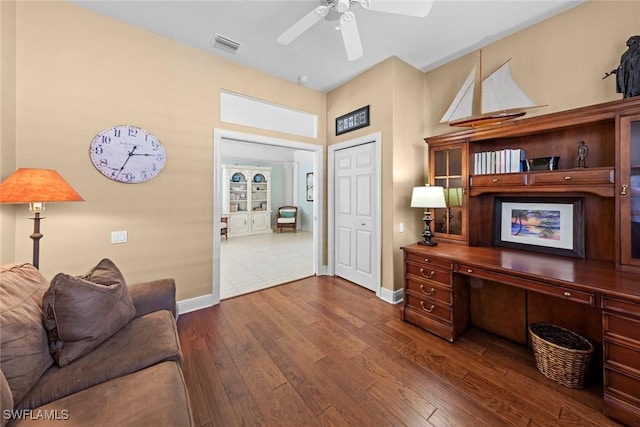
(427,234)
(36,236)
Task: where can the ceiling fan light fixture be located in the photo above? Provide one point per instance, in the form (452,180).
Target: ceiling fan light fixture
(343,5)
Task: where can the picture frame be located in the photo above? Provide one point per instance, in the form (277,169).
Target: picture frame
(552,225)
(351,121)
(309,186)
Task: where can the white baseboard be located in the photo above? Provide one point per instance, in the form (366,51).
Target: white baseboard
(392,297)
(197,303)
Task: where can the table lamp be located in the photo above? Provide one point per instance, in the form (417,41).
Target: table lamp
(427,197)
(35,187)
(453,199)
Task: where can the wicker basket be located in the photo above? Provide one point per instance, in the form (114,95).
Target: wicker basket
(561,355)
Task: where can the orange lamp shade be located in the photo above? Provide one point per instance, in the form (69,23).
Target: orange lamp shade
(37,186)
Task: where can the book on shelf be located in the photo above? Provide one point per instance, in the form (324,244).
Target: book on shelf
(507,160)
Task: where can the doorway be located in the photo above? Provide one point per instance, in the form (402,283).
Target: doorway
(255,142)
(355,211)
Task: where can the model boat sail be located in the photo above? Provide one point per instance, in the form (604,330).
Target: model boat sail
(500,96)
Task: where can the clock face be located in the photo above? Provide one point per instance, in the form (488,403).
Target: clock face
(127,154)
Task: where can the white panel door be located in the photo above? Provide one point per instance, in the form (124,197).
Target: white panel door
(355,220)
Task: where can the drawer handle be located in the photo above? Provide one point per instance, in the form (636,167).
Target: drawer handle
(469,270)
(430,276)
(566,294)
(428,310)
(494,180)
(426,260)
(431,292)
(567,178)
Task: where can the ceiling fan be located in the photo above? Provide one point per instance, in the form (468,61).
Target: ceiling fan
(348,26)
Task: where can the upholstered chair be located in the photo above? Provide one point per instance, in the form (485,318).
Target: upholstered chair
(287,217)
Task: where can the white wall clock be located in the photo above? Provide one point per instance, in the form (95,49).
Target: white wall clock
(127,154)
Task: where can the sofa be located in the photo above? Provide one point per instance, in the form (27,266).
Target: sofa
(89,350)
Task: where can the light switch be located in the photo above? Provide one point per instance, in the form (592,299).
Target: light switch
(401,228)
(119,236)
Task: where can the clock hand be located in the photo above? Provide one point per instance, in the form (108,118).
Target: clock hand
(125,162)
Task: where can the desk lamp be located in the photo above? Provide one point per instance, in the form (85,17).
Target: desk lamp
(427,197)
(453,198)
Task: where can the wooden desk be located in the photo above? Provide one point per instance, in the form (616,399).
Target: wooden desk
(437,299)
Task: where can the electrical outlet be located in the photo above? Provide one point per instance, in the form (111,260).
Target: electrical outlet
(119,236)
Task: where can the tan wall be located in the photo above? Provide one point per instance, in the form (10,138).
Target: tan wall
(393,90)
(7,123)
(374,88)
(79,73)
(409,162)
(559,62)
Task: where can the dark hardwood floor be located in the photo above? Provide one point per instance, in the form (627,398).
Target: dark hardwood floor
(323,351)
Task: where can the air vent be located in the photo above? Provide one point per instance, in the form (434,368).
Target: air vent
(225,43)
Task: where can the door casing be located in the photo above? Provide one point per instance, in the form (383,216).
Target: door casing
(376,139)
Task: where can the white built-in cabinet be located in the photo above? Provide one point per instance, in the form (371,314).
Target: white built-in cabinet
(246,199)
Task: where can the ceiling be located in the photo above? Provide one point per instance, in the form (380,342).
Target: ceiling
(452,29)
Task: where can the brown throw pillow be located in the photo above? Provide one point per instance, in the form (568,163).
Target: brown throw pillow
(24,350)
(6,399)
(82,312)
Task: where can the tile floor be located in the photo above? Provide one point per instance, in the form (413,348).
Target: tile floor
(251,263)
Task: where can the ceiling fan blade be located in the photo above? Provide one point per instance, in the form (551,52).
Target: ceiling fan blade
(419,8)
(350,36)
(303,25)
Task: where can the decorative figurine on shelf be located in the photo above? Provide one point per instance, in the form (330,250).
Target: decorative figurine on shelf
(628,72)
(583,151)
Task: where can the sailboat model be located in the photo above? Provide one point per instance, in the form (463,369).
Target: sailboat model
(499,99)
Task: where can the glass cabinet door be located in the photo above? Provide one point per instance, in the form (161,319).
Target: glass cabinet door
(630,191)
(448,170)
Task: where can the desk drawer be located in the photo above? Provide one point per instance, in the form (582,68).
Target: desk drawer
(623,386)
(517,179)
(427,260)
(622,356)
(621,327)
(429,273)
(429,308)
(433,325)
(573,177)
(620,305)
(531,285)
(432,290)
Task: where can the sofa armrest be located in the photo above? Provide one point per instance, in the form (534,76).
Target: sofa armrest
(153,296)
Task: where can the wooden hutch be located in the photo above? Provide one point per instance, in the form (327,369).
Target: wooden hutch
(470,278)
